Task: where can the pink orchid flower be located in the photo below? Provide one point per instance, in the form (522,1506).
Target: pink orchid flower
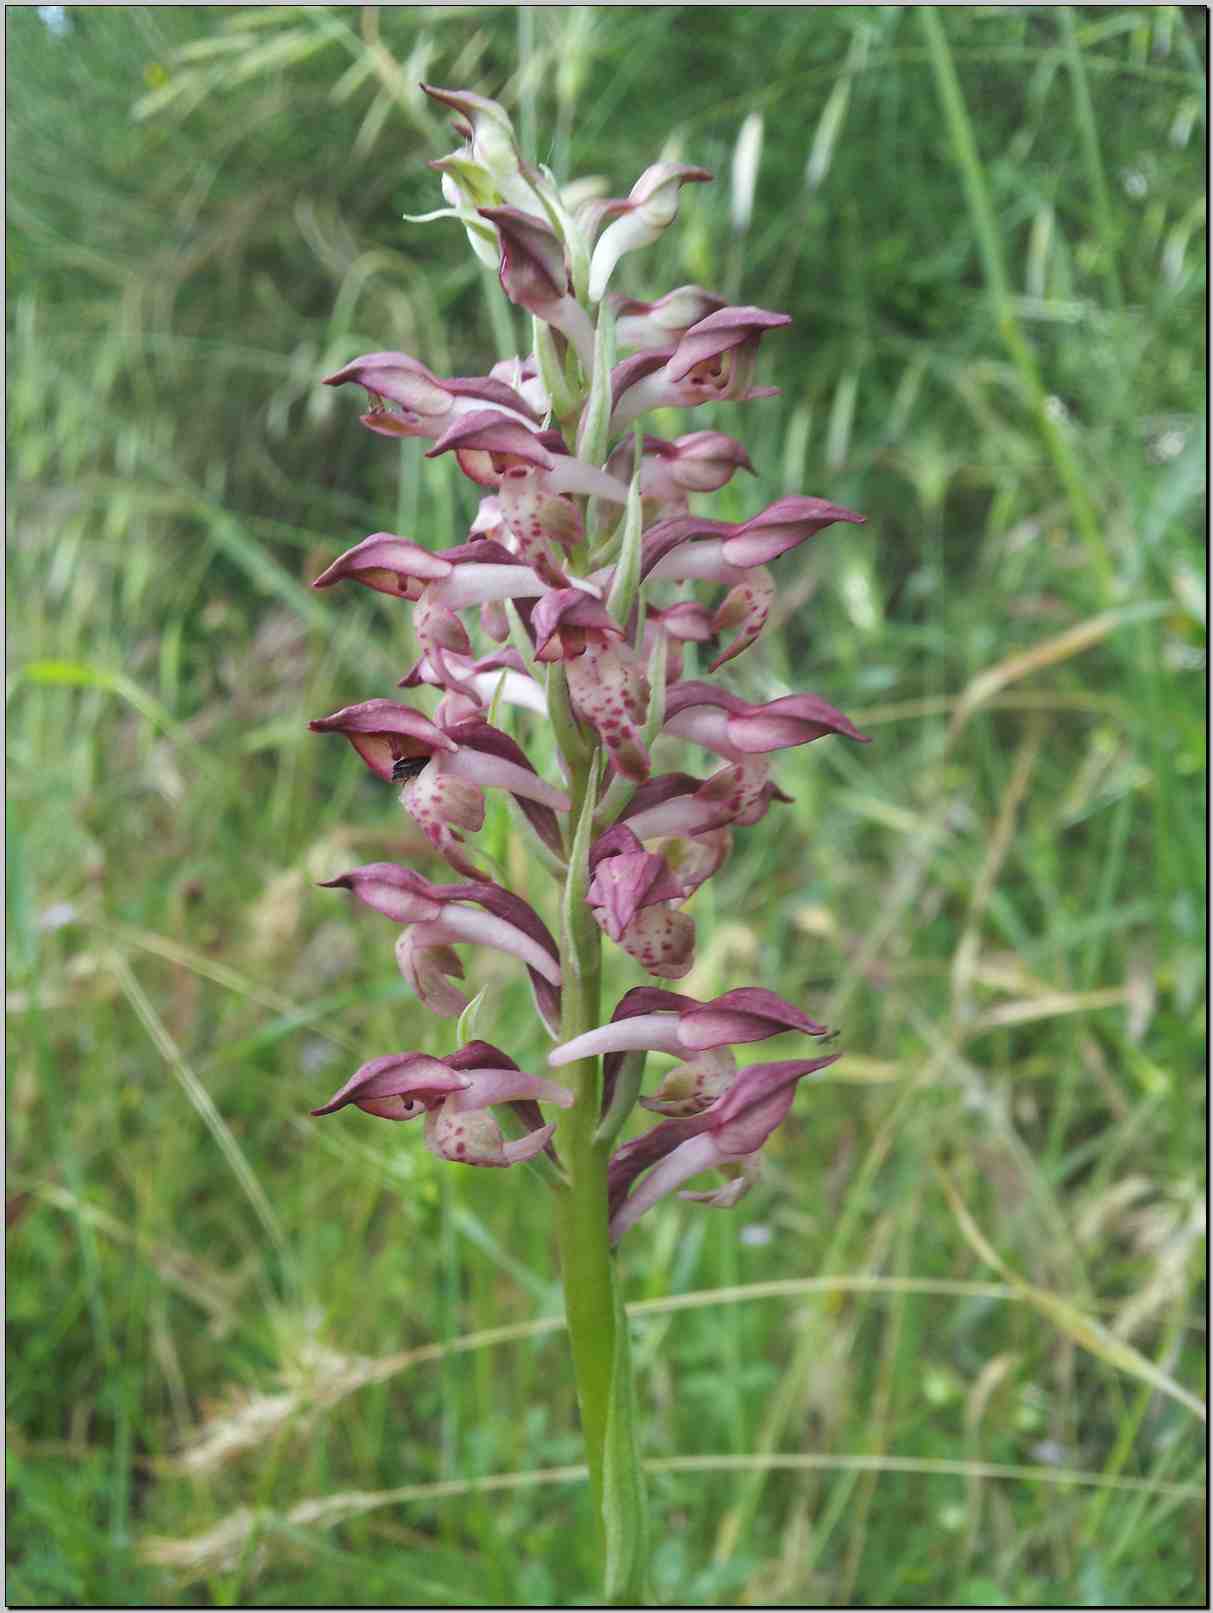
(665,1022)
(425,404)
(738,730)
(730,1131)
(456,1095)
(632,895)
(712,363)
(438,917)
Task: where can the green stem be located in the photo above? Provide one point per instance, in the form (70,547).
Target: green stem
(582,1231)
(592,1307)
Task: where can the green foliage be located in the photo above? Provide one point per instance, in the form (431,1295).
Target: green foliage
(1000,901)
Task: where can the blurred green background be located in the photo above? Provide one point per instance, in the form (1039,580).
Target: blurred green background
(974,1377)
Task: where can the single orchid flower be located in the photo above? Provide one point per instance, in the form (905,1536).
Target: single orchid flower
(445,771)
(488,168)
(389,564)
(699,462)
(455,1094)
(438,917)
(424,404)
(712,363)
(731,1130)
(689,546)
(665,1022)
(737,729)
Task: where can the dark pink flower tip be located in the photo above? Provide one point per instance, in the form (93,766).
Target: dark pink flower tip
(388,375)
(384,733)
(488,431)
(718,333)
(400,893)
(389,564)
(748,1014)
(475,115)
(398,1086)
(757,1102)
(782,526)
(533,270)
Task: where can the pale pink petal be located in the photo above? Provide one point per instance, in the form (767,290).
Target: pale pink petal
(689,1159)
(480,768)
(658,1032)
(463,923)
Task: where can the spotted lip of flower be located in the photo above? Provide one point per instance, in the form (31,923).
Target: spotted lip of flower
(731,1130)
(632,895)
(625,878)
(455,1095)
(666,1022)
(606,678)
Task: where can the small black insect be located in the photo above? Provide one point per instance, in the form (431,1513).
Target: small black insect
(407,767)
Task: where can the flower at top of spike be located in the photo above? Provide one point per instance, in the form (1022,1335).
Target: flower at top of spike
(640,218)
(535,276)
